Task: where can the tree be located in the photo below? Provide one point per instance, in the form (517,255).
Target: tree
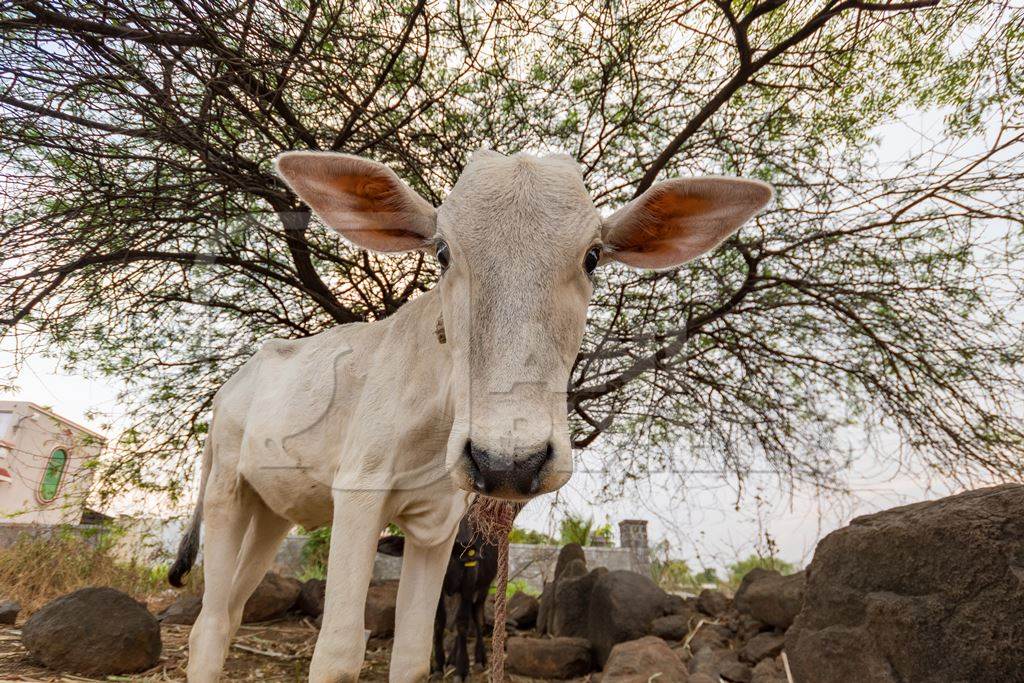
(145,236)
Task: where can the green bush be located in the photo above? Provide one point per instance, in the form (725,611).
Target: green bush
(740,569)
(314,553)
(529,536)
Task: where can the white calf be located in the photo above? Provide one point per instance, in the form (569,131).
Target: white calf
(395,421)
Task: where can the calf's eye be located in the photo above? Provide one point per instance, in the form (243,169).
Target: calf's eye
(591,260)
(444,256)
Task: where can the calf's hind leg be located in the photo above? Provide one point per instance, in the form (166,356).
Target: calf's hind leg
(227,509)
(262,541)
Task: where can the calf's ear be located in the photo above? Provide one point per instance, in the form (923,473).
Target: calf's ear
(363,200)
(678,220)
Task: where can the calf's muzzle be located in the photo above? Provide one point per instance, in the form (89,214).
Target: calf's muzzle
(502,475)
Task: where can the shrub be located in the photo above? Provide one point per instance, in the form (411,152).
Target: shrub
(37,569)
(529,536)
(741,568)
(314,553)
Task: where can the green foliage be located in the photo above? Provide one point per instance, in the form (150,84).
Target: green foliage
(739,569)
(529,536)
(676,575)
(576,529)
(315,552)
(515,586)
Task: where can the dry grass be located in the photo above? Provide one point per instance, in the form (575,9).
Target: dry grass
(36,570)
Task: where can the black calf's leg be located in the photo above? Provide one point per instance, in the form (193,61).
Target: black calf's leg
(461,640)
(439,624)
(478,623)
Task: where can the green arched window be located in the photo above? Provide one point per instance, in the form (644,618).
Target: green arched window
(50,484)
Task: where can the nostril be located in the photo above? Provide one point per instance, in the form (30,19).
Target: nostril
(539,464)
(473,468)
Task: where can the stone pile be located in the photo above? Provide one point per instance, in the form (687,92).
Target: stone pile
(623,624)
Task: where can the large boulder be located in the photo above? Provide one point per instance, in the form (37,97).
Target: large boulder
(770,597)
(522,610)
(311,597)
(549,657)
(274,596)
(184,611)
(622,606)
(643,660)
(95,632)
(570,552)
(571,562)
(571,605)
(379,614)
(925,593)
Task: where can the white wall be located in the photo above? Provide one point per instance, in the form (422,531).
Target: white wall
(31,434)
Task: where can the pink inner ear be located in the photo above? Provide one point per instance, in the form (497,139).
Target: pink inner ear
(678,220)
(654,255)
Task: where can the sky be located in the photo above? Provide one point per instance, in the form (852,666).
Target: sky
(706,522)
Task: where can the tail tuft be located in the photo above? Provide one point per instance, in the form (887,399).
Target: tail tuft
(187,551)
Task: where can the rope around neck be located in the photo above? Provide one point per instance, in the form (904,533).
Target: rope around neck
(492,519)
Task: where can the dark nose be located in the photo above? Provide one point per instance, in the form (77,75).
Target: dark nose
(499,475)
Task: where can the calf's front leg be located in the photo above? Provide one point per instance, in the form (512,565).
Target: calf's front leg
(358,519)
(419,590)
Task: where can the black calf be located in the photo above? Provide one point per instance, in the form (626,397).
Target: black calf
(471,570)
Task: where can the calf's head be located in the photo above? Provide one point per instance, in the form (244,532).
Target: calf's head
(517,240)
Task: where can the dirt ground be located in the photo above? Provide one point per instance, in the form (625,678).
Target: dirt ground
(272,651)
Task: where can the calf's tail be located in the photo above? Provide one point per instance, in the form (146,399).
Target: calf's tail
(189,546)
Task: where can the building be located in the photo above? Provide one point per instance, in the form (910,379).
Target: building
(45,465)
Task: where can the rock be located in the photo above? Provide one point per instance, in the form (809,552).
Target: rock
(9,611)
(770,597)
(522,610)
(570,552)
(710,635)
(769,671)
(761,646)
(702,678)
(379,614)
(311,597)
(926,592)
(712,602)
(711,661)
(94,632)
(571,605)
(638,661)
(274,596)
(184,610)
(677,604)
(544,607)
(672,627)
(746,627)
(571,563)
(549,657)
(734,672)
(622,606)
